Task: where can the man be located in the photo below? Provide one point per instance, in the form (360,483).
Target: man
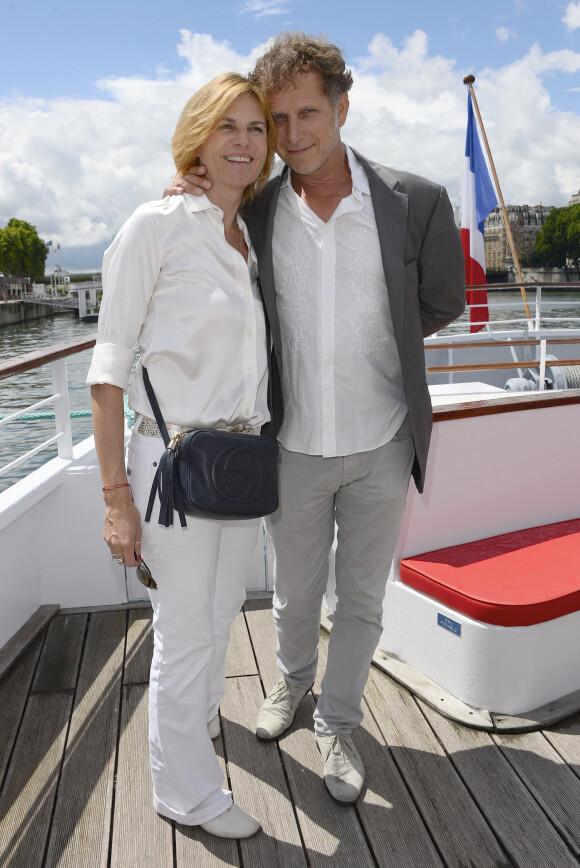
(358,263)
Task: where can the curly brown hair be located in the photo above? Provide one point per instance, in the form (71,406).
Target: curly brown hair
(291,53)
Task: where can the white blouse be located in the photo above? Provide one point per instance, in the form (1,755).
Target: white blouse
(177,293)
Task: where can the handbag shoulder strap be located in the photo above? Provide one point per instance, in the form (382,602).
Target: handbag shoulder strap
(269,350)
(155,407)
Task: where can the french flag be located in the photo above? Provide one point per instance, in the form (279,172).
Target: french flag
(479,199)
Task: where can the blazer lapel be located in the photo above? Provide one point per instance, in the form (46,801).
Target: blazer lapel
(260,224)
(391,209)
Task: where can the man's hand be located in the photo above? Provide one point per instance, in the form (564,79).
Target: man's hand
(191,182)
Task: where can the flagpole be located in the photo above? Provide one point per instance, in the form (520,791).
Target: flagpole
(468,80)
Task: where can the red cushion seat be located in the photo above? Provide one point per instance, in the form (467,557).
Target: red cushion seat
(516,579)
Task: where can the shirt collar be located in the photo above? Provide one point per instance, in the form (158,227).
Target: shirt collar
(197,204)
(360,182)
(200,203)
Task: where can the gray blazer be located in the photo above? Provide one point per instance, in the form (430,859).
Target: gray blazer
(424,272)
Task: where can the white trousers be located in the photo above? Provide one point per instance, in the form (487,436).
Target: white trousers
(365,495)
(200,572)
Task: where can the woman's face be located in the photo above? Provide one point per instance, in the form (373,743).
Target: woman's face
(235,153)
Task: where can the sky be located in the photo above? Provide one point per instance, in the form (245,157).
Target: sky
(90,94)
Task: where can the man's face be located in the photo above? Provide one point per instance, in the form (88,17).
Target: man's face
(307,123)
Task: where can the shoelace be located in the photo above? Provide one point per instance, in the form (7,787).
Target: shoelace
(279,692)
(340,747)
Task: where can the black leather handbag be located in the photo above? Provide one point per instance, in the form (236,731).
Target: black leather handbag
(212,473)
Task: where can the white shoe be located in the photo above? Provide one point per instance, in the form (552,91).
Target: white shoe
(213,727)
(344,772)
(233,823)
(278,709)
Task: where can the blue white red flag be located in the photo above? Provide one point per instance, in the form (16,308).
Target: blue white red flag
(479,199)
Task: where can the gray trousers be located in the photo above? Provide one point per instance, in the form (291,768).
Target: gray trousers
(365,495)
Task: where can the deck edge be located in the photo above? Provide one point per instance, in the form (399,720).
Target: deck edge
(25,636)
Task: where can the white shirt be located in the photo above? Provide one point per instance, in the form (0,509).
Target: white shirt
(342,383)
(175,291)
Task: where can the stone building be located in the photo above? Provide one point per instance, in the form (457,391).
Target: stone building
(525,223)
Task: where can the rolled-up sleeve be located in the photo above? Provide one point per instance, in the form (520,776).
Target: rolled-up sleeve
(112,364)
(131,267)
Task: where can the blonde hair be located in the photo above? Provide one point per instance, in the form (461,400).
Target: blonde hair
(201,116)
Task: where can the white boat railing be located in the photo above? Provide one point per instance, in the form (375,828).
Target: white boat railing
(517,341)
(456,344)
(56,356)
(536,297)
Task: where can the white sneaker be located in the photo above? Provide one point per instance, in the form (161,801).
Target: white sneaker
(344,772)
(278,709)
(213,727)
(233,823)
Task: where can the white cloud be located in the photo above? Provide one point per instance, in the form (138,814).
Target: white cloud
(503,34)
(76,168)
(572,16)
(259,8)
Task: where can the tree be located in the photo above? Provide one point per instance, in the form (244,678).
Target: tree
(22,252)
(558,241)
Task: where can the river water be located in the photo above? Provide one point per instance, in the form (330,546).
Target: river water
(16,393)
(19,392)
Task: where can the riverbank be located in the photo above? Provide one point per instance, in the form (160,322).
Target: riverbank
(17,311)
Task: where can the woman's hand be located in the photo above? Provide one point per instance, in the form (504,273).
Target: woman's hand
(122,531)
(191,182)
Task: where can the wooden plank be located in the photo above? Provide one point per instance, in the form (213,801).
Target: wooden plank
(393,825)
(139,646)
(257,780)
(14,689)
(553,785)
(458,829)
(261,626)
(141,838)
(565,738)
(28,797)
(332,834)
(17,644)
(523,829)
(195,847)
(59,662)
(80,834)
(240,658)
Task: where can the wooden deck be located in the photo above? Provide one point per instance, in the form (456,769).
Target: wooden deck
(76,791)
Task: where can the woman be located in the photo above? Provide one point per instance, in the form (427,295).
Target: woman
(180,287)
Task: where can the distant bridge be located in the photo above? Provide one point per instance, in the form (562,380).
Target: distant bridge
(84,297)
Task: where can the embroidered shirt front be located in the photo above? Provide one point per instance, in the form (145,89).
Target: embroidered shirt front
(342,381)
